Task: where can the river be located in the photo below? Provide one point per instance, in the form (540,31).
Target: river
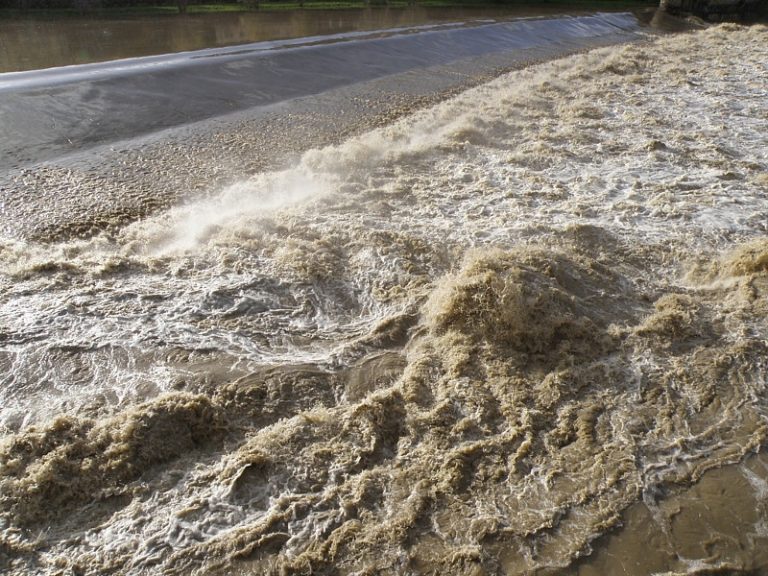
(515,328)
(83,40)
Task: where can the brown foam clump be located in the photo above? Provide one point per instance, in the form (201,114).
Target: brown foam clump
(323,472)
(739,277)
(749,259)
(314,260)
(537,306)
(626,61)
(44,472)
(677,320)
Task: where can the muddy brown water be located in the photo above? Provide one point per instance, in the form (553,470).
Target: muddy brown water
(519,331)
(34,43)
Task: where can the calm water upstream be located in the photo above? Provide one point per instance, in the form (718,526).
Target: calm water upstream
(28,44)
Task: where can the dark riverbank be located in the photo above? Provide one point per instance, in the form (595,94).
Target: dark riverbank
(65,8)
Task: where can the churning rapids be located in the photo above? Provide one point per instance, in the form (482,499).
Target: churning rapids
(468,342)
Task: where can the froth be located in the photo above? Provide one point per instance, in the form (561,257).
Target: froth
(465,343)
(239,205)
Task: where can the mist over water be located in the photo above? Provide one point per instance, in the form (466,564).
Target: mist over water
(465,343)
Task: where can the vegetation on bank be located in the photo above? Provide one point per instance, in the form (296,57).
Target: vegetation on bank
(110,8)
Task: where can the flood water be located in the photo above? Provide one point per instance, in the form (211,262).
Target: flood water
(519,330)
(59,111)
(28,44)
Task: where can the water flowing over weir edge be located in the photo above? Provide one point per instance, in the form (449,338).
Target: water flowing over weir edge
(464,343)
(50,113)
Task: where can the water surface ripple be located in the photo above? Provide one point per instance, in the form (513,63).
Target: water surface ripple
(473,341)
(52,112)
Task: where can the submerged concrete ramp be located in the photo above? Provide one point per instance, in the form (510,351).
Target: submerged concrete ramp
(51,113)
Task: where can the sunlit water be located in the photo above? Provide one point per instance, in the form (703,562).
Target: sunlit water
(465,343)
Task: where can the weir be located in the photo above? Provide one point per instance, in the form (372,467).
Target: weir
(50,113)
(478,339)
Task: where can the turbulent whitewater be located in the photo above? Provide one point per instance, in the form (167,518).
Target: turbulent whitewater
(465,343)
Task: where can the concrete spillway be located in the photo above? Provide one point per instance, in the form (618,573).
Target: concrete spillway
(50,113)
